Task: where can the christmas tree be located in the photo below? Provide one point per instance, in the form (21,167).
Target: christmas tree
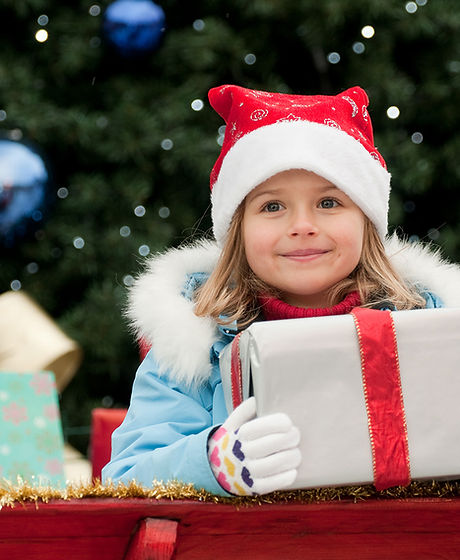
(130,140)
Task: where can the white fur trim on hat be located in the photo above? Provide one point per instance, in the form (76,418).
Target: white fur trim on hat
(327,151)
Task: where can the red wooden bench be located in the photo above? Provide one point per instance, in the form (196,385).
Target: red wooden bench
(140,529)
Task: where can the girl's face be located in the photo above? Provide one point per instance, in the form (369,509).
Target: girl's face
(302,235)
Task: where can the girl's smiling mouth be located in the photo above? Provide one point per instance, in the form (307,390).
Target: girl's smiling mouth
(304,253)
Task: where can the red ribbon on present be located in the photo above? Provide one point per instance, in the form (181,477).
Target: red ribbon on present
(383,396)
(236,374)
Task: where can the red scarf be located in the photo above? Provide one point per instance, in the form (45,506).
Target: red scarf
(273,308)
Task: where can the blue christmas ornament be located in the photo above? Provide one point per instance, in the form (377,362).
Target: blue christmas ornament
(24,186)
(134,27)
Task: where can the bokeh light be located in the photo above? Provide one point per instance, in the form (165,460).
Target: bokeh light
(41,36)
(367,31)
(393,112)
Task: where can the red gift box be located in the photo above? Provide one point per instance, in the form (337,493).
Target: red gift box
(103,422)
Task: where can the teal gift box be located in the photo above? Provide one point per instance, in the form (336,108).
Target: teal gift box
(31,441)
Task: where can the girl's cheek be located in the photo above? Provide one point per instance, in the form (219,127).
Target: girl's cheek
(259,243)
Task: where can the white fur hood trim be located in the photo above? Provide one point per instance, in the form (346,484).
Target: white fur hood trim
(162,316)
(420,265)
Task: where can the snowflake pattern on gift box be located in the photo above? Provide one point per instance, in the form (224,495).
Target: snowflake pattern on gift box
(14,413)
(54,467)
(39,422)
(31,445)
(47,442)
(16,436)
(20,469)
(42,384)
(15,385)
(51,411)
(5,450)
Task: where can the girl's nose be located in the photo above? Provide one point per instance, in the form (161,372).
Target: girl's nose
(303,224)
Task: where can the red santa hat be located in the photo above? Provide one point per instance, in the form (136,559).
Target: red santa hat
(267,133)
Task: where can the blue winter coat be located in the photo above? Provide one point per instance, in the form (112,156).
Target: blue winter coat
(164,435)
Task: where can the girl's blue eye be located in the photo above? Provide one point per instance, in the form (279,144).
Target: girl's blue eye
(328,203)
(272,207)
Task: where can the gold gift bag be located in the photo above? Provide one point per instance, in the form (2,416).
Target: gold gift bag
(31,341)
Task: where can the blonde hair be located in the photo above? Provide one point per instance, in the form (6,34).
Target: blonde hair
(232,290)
(375,279)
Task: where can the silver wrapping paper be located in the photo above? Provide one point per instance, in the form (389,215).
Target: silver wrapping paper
(310,369)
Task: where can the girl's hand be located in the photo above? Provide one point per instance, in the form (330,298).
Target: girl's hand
(250,455)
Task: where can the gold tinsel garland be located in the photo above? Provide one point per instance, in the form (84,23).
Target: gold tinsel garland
(11,494)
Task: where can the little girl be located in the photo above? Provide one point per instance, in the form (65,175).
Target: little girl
(299,207)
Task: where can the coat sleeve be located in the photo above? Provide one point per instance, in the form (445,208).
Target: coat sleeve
(164,435)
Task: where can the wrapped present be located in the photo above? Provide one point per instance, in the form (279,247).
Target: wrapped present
(30,340)
(31,441)
(374,393)
(103,422)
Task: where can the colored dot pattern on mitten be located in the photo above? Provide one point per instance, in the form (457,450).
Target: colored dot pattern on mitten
(227,463)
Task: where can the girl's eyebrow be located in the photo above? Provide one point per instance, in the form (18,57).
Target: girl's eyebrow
(330,187)
(272,192)
(276,192)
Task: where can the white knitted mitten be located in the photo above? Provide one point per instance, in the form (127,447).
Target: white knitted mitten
(250,455)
